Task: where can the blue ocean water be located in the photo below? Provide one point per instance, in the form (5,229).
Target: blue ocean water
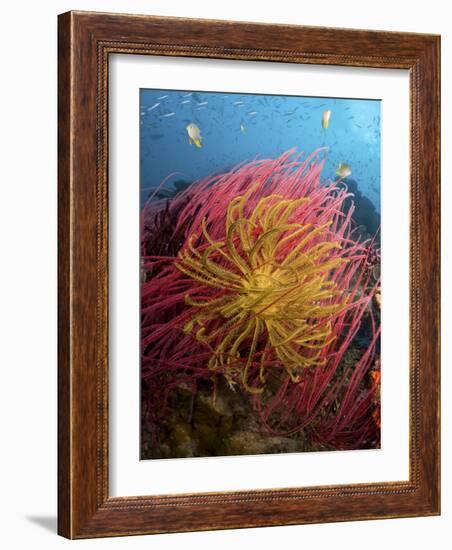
(238,127)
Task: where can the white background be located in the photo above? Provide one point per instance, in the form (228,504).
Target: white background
(28,272)
(128,475)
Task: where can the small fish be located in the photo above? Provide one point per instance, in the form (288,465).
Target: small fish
(326,119)
(194,135)
(343,170)
(167,115)
(202,103)
(188,95)
(200,108)
(238,103)
(153,107)
(185,101)
(162,97)
(252,113)
(242,128)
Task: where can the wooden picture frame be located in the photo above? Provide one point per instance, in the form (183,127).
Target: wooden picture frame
(86,40)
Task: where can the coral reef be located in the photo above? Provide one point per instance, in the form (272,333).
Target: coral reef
(257,295)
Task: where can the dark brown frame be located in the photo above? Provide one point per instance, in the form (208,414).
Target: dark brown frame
(85,42)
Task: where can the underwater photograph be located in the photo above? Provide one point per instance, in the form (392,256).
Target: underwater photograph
(260,282)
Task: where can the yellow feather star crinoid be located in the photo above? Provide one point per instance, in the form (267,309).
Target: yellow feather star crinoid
(270,297)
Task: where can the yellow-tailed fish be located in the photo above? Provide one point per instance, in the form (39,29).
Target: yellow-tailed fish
(194,135)
(343,170)
(326,119)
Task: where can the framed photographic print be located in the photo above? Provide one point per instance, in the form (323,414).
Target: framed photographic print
(248,275)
